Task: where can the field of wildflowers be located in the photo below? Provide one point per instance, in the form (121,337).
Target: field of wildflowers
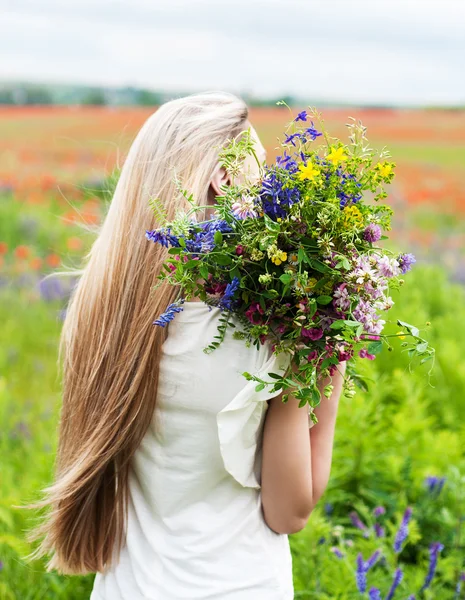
(391,524)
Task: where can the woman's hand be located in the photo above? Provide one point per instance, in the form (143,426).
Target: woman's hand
(296,460)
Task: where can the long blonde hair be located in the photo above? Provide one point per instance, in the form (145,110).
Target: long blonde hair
(109,348)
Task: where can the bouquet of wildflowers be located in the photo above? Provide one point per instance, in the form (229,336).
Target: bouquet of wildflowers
(291,257)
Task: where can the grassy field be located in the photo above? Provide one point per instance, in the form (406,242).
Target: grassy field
(389,440)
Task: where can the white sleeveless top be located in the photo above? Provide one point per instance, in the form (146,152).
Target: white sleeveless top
(195,525)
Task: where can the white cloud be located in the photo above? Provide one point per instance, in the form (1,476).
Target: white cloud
(358,50)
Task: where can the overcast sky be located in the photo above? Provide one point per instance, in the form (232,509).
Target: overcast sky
(398,51)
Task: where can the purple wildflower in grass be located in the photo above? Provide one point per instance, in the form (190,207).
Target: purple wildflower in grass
(290,138)
(372,560)
(379,530)
(379,510)
(302,116)
(337,552)
(169,314)
(372,233)
(395,583)
(402,532)
(411,597)
(226,302)
(405,262)
(321,541)
(434,550)
(328,508)
(458,587)
(356,521)
(374,594)
(361,574)
(435,484)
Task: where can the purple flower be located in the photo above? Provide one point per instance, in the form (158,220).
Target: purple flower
(402,532)
(162,236)
(312,132)
(379,510)
(434,550)
(328,508)
(374,594)
(406,261)
(372,233)
(357,521)
(379,531)
(435,484)
(372,560)
(458,587)
(315,333)
(361,574)
(337,552)
(388,267)
(226,302)
(169,314)
(302,116)
(395,583)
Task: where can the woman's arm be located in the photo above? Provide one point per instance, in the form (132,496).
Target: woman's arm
(296,460)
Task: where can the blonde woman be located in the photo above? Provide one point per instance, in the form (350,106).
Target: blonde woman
(174,478)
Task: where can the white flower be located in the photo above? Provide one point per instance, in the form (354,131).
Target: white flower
(244,207)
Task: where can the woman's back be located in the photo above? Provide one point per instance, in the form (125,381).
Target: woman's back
(195,523)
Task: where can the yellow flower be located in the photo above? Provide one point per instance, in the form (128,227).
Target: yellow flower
(308,171)
(400,335)
(352,217)
(384,169)
(278,257)
(336,156)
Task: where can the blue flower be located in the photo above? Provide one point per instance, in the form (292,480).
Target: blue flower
(395,583)
(290,138)
(169,314)
(458,587)
(372,560)
(434,550)
(406,261)
(379,530)
(312,132)
(302,116)
(374,594)
(402,532)
(204,240)
(276,198)
(361,574)
(379,510)
(328,508)
(162,236)
(435,484)
(337,552)
(227,301)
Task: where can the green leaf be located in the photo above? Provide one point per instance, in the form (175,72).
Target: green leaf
(375,347)
(218,238)
(302,256)
(191,263)
(423,347)
(319,266)
(223,259)
(339,324)
(286,278)
(174,251)
(271,225)
(182,242)
(410,328)
(324,299)
(274,375)
(204,271)
(259,387)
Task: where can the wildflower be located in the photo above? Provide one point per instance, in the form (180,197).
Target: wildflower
(405,262)
(387,267)
(256,254)
(239,249)
(336,552)
(226,302)
(400,335)
(374,594)
(315,333)
(162,236)
(372,233)
(357,521)
(244,207)
(379,510)
(435,484)
(265,278)
(308,171)
(336,155)
(312,356)
(328,507)
(379,530)
(352,217)
(341,298)
(384,169)
(169,314)
(293,258)
(372,560)
(402,532)
(3,248)
(277,256)
(251,313)
(312,132)
(276,198)
(361,574)
(458,587)
(395,583)
(434,550)
(302,116)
